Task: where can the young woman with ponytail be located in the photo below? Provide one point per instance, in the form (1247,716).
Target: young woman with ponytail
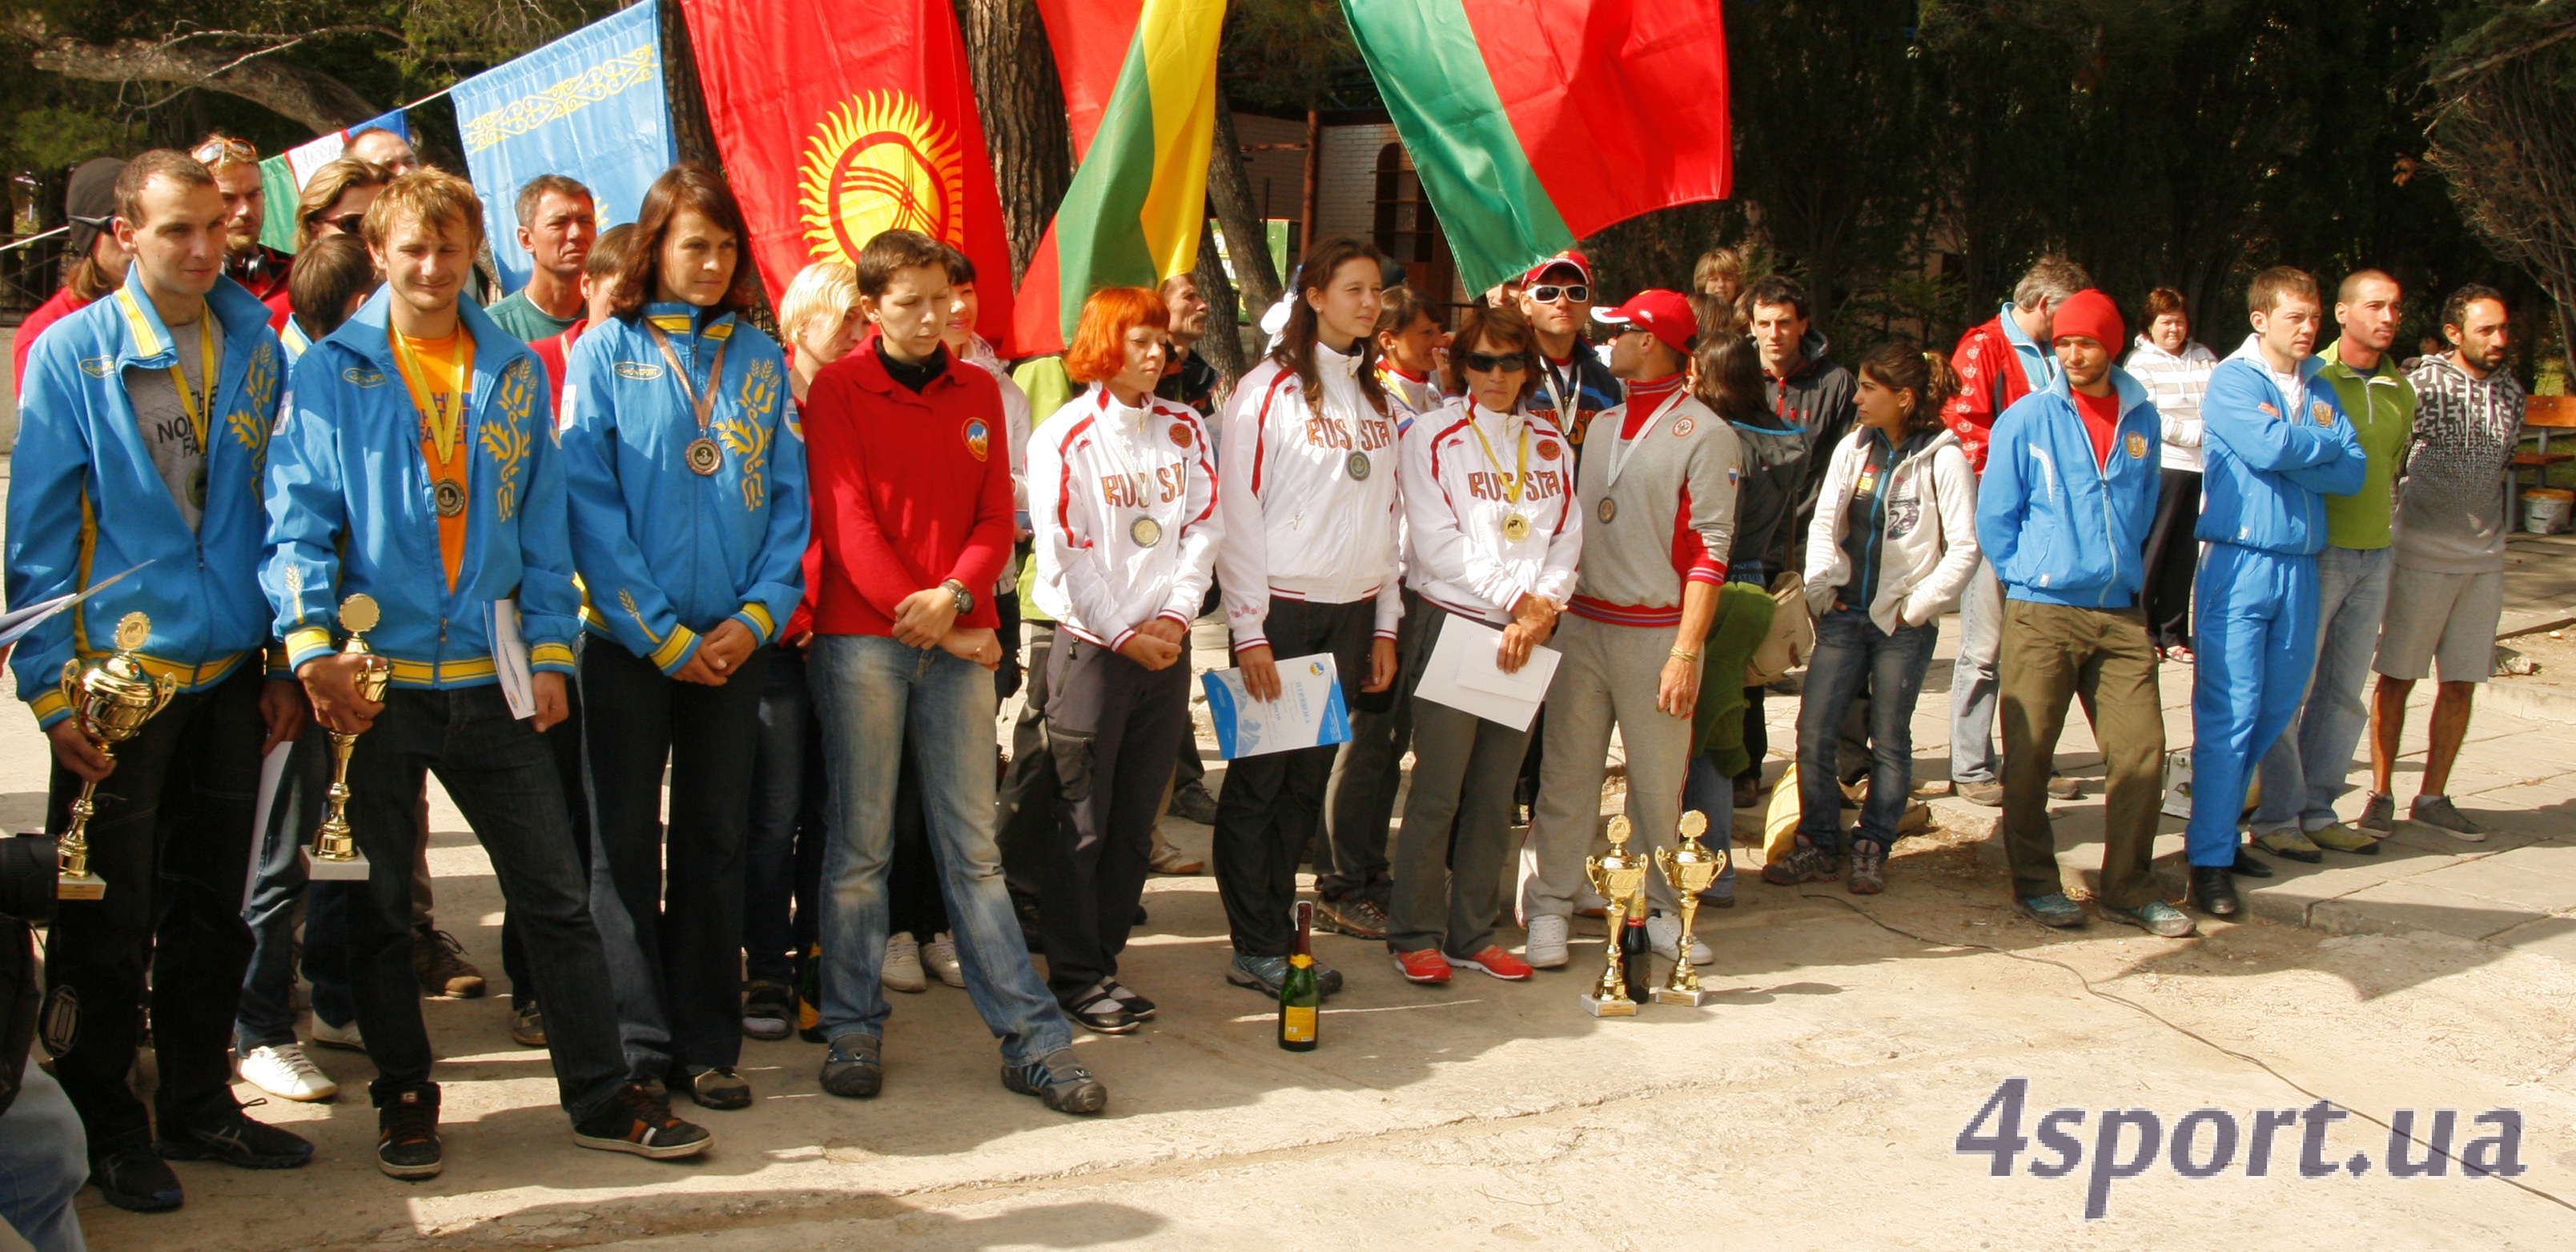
(1893,541)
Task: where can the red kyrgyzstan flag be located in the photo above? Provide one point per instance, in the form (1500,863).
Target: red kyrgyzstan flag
(838,119)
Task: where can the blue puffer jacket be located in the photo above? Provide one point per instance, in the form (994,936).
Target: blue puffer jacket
(2269,469)
(350,509)
(666,553)
(2060,527)
(86,503)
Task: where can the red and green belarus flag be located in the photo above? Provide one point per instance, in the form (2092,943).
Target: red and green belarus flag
(1534,123)
(1140,85)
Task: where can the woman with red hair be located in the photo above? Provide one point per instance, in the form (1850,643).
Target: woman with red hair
(1122,492)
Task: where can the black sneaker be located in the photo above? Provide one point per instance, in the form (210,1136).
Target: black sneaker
(233,1138)
(1100,1011)
(1138,1007)
(1194,803)
(1805,863)
(1061,1081)
(854,1068)
(407,1134)
(1356,916)
(135,1179)
(1868,874)
(768,1009)
(638,1121)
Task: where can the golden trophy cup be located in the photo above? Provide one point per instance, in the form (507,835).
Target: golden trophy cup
(1619,877)
(1690,867)
(334,856)
(111,699)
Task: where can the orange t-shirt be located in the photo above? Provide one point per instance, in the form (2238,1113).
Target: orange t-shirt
(439,374)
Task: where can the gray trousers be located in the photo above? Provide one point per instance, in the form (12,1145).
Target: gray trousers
(1367,773)
(1972,678)
(1449,858)
(1609,675)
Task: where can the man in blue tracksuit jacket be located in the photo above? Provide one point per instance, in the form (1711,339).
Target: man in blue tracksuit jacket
(143,432)
(2063,511)
(420,467)
(689,519)
(2276,443)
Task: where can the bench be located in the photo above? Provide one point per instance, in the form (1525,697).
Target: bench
(2543,414)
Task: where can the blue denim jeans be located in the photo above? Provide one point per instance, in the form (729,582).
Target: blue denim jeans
(1972,679)
(871,693)
(783,846)
(2304,770)
(44,1160)
(1850,650)
(266,1015)
(1710,791)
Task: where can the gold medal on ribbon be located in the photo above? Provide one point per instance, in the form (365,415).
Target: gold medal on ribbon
(1609,508)
(1516,528)
(1358,465)
(449,495)
(704,456)
(1145,531)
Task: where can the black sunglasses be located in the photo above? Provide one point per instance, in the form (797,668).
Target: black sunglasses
(1577,292)
(346,223)
(1488,363)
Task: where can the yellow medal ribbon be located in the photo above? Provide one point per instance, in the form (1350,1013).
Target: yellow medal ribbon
(199,405)
(446,423)
(1512,491)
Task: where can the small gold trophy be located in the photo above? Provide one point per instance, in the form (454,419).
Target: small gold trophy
(1618,877)
(1690,867)
(334,856)
(111,698)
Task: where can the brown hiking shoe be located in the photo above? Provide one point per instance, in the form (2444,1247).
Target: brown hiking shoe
(439,961)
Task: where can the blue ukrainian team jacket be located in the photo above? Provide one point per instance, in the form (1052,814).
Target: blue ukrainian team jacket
(2060,527)
(86,503)
(2269,469)
(666,553)
(350,509)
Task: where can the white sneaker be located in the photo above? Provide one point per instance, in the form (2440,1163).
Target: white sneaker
(1664,931)
(285,1072)
(1547,942)
(344,1036)
(903,963)
(940,957)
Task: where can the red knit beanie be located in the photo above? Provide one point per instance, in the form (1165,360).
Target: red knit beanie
(2089,312)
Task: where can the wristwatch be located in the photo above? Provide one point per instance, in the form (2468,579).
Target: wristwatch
(965,599)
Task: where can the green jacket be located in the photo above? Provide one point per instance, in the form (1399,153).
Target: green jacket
(2382,407)
(1717,726)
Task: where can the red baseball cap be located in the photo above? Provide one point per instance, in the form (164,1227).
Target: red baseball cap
(1582,265)
(1664,314)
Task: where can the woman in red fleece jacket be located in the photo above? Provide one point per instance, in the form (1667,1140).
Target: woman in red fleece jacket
(910,468)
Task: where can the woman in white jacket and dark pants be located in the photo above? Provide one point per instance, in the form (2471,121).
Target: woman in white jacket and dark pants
(1893,542)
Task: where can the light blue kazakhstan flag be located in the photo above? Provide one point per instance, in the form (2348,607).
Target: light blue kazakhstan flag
(589,106)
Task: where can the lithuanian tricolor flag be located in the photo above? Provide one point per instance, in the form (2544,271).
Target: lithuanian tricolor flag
(1132,216)
(1534,123)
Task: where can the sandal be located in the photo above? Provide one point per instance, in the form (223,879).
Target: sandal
(1102,1012)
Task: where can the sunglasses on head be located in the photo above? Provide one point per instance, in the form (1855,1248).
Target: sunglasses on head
(1491,363)
(346,223)
(215,151)
(1548,294)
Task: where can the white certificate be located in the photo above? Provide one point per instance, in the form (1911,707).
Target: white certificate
(1464,675)
(1308,713)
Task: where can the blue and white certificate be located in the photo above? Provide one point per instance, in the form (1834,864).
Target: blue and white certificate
(1308,713)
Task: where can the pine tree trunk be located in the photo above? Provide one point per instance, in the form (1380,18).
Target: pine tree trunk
(1223,343)
(1247,238)
(1022,103)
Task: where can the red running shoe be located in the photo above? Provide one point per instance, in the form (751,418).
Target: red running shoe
(1493,960)
(1425,966)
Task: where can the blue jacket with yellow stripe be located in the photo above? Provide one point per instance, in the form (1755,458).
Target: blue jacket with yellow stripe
(666,553)
(350,509)
(85,501)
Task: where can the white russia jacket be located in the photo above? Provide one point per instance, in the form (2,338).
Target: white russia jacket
(1124,503)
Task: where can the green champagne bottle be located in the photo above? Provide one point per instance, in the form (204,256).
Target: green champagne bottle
(1299,997)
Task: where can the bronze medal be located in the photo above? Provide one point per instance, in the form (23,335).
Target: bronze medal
(1145,531)
(1609,508)
(1516,528)
(1358,465)
(704,456)
(449,495)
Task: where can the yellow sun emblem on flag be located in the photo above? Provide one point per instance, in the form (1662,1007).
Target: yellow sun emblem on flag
(879,162)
